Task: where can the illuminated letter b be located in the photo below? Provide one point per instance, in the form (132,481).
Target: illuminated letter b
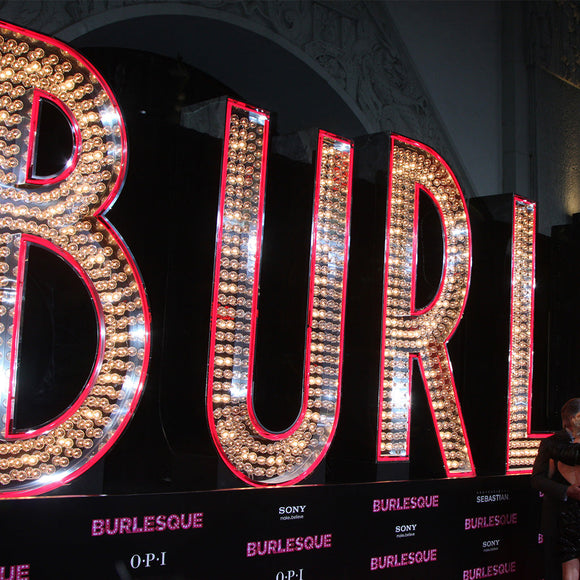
(63,213)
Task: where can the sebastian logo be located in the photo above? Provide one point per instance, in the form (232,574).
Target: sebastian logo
(492,496)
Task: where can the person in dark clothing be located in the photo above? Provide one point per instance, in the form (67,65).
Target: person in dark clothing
(556,474)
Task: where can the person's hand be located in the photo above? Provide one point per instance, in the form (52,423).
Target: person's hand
(573,492)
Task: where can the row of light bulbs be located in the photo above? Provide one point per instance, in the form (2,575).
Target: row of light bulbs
(522,450)
(238,435)
(424,335)
(61,215)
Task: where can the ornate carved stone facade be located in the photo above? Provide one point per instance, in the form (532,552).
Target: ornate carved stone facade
(554,63)
(353,45)
(556,37)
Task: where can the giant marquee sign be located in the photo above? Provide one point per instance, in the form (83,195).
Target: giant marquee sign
(64,213)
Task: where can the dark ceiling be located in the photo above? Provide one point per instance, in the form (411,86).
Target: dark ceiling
(262,72)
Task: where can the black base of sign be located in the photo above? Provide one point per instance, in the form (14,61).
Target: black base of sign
(463,528)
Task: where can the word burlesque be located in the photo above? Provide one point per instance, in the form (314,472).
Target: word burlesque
(489,571)
(64,214)
(491,521)
(145,524)
(405,503)
(268,547)
(404,559)
(17,572)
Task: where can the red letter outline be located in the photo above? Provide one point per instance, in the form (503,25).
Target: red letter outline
(423,334)
(64,213)
(255,455)
(522,445)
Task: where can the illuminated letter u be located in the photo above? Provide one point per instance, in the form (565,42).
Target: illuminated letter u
(255,455)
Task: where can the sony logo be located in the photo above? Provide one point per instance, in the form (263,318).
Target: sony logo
(490,543)
(291,509)
(405,528)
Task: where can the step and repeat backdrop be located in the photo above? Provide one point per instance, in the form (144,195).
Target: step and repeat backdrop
(465,529)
